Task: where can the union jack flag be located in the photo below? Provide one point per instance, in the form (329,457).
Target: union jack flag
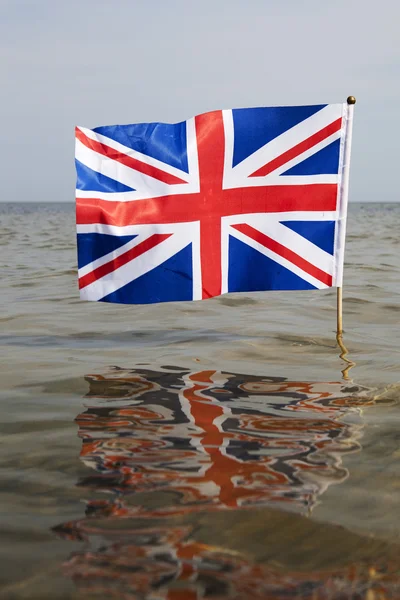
(233,200)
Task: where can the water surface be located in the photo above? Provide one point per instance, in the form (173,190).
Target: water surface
(197,450)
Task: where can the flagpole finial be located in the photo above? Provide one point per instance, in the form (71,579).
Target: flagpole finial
(351,100)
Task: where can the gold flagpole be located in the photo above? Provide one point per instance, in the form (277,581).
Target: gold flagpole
(339,305)
(339,329)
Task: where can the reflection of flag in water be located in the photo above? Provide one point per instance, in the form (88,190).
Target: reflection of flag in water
(214,441)
(233,200)
(219,440)
(163,563)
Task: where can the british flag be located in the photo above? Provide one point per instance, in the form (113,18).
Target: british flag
(233,200)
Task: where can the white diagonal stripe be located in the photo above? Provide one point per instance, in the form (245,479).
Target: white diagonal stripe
(99,262)
(180,238)
(300,245)
(279,259)
(304,155)
(146,186)
(282,143)
(147,160)
(119,172)
(270,225)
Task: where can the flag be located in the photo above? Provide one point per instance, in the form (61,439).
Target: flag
(235,200)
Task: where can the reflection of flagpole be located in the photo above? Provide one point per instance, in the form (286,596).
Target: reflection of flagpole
(343,211)
(343,355)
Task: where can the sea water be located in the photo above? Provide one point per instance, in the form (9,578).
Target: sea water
(214,449)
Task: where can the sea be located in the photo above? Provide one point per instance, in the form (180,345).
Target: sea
(219,449)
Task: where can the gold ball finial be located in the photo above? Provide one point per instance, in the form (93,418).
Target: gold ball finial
(351,100)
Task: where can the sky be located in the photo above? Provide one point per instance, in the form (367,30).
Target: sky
(90,63)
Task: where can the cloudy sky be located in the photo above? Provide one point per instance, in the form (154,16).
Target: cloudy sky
(98,62)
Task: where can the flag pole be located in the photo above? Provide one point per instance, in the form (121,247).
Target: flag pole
(339,302)
(343,212)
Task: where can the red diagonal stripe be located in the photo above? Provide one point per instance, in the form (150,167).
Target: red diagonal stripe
(299,149)
(126,160)
(107,268)
(276,247)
